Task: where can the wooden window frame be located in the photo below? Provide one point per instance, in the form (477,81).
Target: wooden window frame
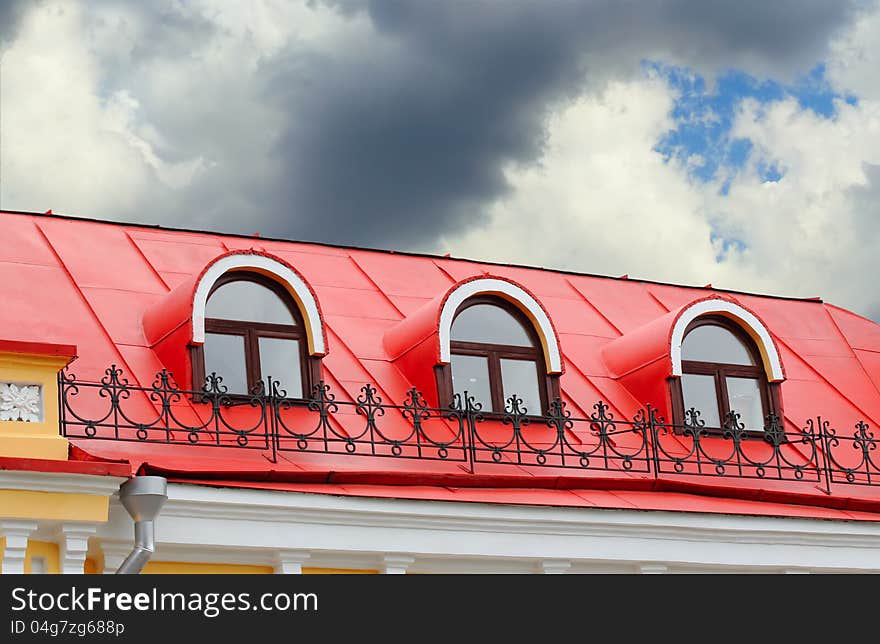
(548,385)
(252,332)
(771,401)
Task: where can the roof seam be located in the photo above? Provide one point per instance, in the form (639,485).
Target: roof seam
(657,299)
(445,272)
(146,261)
(85,301)
(582,374)
(376,286)
(641,366)
(825,380)
(852,352)
(585,299)
(352,354)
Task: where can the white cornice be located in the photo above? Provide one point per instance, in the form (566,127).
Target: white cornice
(272,506)
(232,525)
(59,482)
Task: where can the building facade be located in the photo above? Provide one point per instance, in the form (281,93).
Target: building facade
(321,409)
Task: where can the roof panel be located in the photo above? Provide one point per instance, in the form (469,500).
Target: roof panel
(871,361)
(101,256)
(354,302)
(859,332)
(574,316)
(22,242)
(403,274)
(327,270)
(30,296)
(408,305)
(179,257)
(120,312)
(361,335)
(585,352)
(626,305)
(790,319)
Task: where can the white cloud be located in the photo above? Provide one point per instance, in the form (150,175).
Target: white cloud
(63,145)
(855,58)
(808,233)
(603,201)
(141,111)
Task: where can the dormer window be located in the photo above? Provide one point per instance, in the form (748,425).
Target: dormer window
(722,372)
(253,331)
(495,354)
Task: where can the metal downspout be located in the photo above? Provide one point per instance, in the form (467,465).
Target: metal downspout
(142,497)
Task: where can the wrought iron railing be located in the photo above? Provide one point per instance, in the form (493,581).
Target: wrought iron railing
(367,425)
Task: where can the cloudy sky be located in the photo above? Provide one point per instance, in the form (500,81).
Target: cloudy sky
(696,141)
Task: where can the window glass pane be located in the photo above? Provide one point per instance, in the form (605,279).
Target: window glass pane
(224,355)
(520,377)
(711,343)
(279,358)
(489,324)
(744,395)
(247,302)
(471,374)
(699,393)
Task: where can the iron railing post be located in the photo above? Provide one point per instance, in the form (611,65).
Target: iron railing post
(825,436)
(271,422)
(651,415)
(471,430)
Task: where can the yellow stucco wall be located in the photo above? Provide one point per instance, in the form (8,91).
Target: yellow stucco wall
(175,567)
(34,439)
(45,549)
(61,506)
(338,571)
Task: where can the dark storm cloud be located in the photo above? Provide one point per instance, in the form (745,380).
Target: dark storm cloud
(396,137)
(392,144)
(11,12)
(866,206)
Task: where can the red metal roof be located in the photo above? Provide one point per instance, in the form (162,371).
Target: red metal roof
(68,281)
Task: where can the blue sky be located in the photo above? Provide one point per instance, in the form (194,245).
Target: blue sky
(704,115)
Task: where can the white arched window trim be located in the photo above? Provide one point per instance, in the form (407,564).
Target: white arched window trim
(273,269)
(512,293)
(749,323)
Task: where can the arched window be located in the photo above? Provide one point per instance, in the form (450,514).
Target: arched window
(722,372)
(254,331)
(495,354)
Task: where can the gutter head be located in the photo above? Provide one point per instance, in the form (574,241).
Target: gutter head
(143,498)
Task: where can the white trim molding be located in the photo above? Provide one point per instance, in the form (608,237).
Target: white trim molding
(272,268)
(265,527)
(744,318)
(60,482)
(512,293)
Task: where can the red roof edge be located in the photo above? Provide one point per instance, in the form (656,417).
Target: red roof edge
(701,486)
(39,348)
(95,468)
